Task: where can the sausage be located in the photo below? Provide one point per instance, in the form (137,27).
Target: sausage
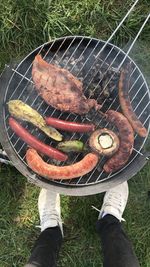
(69,126)
(126,104)
(35,143)
(126,136)
(49,171)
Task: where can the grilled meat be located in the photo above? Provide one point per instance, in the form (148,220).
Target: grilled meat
(126,135)
(59,88)
(126,104)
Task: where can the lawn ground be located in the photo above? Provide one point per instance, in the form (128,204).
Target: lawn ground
(24,25)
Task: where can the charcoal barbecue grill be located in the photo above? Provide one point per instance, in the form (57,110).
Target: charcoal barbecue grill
(97,64)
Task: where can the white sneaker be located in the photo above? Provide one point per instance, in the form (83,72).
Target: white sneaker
(115,201)
(49,209)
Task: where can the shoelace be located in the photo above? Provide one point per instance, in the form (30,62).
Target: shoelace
(114,201)
(93,207)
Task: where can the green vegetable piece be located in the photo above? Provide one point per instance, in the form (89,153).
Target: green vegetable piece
(22,111)
(72,146)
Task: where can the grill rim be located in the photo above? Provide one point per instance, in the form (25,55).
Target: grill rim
(26,172)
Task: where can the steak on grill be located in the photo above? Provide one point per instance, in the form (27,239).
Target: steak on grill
(59,88)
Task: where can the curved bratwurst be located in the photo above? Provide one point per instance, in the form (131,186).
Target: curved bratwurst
(126,136)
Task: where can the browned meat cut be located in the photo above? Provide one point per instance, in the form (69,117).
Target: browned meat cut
(59,88)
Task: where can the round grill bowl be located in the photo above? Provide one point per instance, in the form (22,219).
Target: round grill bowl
(80,55)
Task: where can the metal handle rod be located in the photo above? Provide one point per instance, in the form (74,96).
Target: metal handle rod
(24,77)
(126,54)
(139,32)
(111,36)
(136,37)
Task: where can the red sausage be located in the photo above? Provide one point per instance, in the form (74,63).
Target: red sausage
(70,126)
(49,171)
(35,143)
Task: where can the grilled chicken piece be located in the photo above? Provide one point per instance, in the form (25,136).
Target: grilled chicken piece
(59,88)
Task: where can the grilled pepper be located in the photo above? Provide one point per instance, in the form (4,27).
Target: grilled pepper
(22,111)
(72,146)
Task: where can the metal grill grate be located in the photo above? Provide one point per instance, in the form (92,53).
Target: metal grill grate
(96,64)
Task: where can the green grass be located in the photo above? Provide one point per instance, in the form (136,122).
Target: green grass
(24,25)
(81,245)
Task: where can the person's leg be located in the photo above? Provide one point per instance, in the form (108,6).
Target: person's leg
(116,247)
(47,246)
